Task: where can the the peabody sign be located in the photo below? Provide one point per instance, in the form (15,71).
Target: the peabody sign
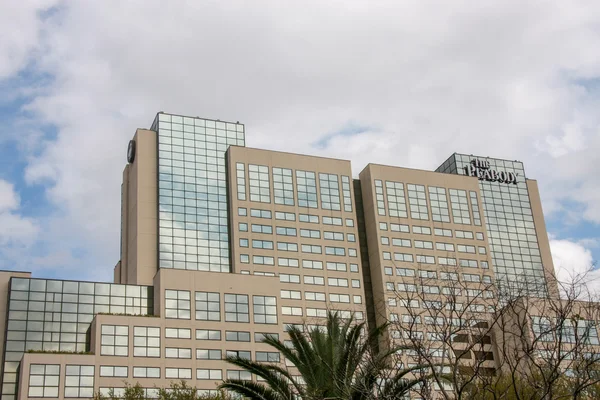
(481,169)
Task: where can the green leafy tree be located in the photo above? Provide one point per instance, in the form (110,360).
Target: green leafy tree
(181,391)
(336,362)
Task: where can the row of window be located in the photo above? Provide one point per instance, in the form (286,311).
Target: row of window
(443,275)
(417,202)
(426,244)
(283,187)
(426,259)
(318,280)
(44,380)
(287,231)
(432,289)
(208,306)
(320,296)
(290,216)
(425,230)
(293,247)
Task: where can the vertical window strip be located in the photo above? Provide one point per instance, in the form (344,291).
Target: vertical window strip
(395,199)
(346,193)
(475,208)
(460,206)
(260,189)
(283,186)
(379,197)
(439,204)
(306,187)
(330,192)
(241,181)
(417,201)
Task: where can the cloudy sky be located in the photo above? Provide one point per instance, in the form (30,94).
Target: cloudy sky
(400,83)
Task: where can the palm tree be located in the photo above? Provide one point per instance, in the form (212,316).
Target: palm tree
(333,363)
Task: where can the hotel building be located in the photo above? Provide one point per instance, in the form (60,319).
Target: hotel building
(222,244)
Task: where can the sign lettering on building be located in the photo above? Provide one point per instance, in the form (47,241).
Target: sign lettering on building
(482,170)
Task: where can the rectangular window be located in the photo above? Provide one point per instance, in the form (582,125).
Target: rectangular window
(337,282)
(439,204)
(113,371)
(310,233)
(291,294)
(209,374)
(449,276)
(258,213)
(241,181)
(284,231)
(335,251)
(283,187)
(423,244)
(178,352)
(263,260)
(266,229)
(333,266)
(309,248)
(289,278)
(237,336)
(306,187)
(447,261)
(405,272)
(237,308)
(178,373)
(146,341)
(309,218)
(339,298)
(330,192)
(327,235)
(464,234)
(146,372)
(314,296)
(471,278)
(288,262)
(285,246)
(406,287)
(468,263)
(400,228)
(295,311)
(265,309)
(259,184)
(208,306)
(79,381)
(246,355)
(465,248)
(267,356)
(403,257)
(262,244)
(399,242)
(177,304)
(316,312)
(114,340)
(444,246)
(332,221)
(417,201)
(442,232)
(285,216)
(43,380)
(428,274)
(314,280)
(423,259)
(260,336)
(178,333)
(311,264)
(239,375)
(208,334)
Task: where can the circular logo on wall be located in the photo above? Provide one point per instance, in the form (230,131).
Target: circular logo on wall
(131,151)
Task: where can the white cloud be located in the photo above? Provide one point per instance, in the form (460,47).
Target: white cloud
(15,229)
(511,79)
(573,263)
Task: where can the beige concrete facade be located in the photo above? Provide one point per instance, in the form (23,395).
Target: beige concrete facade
(139,214)
(349,283)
